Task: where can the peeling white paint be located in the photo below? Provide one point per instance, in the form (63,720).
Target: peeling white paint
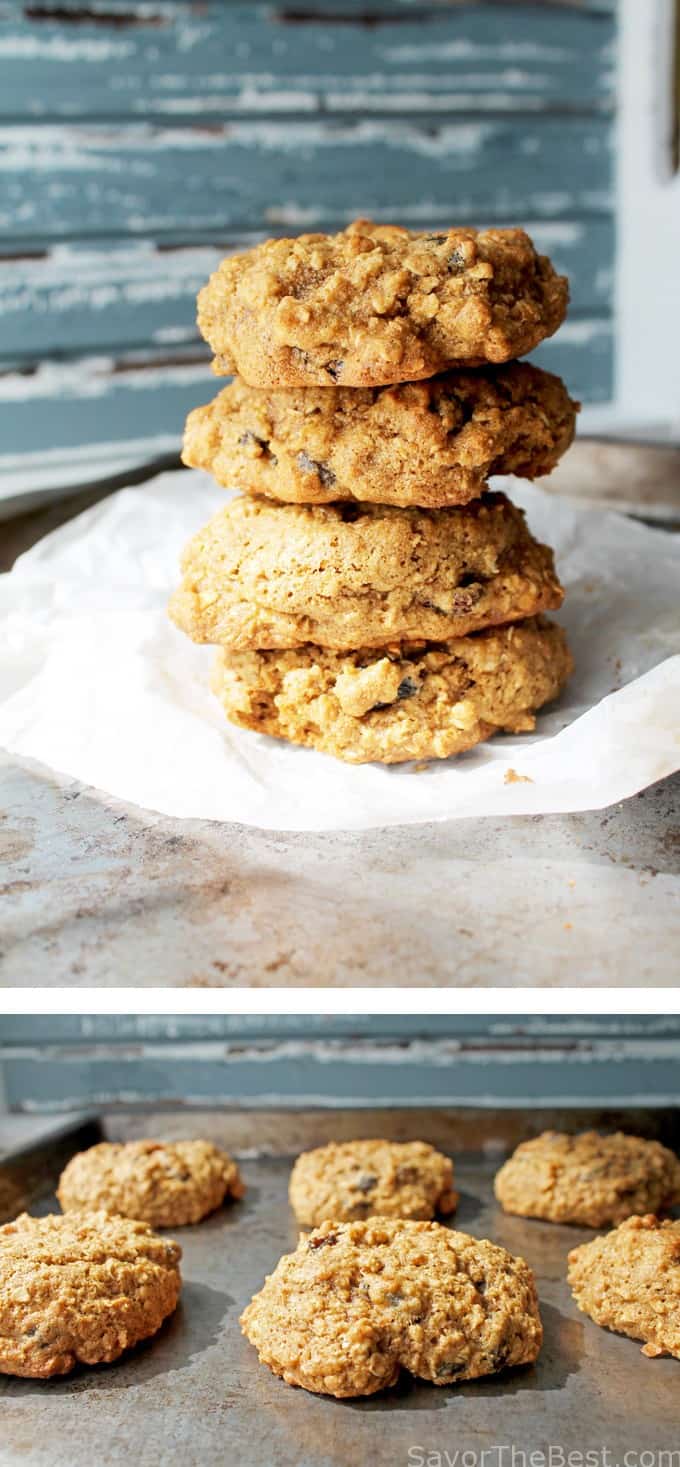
(92,377)
(88,296)
(466,51)
(551,233)
(428,211)
(172,334)
(67,147)
(100,455)
(584,332)
(272,1100)
(411,1054)
(248,99)
(35,47)
(511,77)
(411,100)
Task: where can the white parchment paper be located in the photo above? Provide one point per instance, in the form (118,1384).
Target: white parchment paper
(96,683)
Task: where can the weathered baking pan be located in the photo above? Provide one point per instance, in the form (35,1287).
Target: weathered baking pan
(197,1395)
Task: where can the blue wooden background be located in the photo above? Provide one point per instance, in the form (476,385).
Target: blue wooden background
(140,140)
(50,1063)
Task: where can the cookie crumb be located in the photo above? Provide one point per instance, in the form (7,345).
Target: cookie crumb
(512,777)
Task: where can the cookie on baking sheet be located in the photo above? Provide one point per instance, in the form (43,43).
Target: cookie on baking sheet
(263,574)
(81,1289)
(378,304)
(359,1179)
(588,1178)
(432,443)
(629,1281)
(414,701)
(358,1302)
(166,1183)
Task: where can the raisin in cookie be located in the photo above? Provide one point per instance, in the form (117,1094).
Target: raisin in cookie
(263,574)
(80,1289)
(414,701)
(378,304)
(358,1302)
(166,1183)
(588,1179)
(629,1281)
(358,1179)
(431,443)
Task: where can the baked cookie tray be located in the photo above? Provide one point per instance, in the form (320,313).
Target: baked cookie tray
(197,1393)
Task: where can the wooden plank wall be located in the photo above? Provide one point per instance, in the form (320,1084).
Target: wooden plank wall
(140,140)
(68,1062)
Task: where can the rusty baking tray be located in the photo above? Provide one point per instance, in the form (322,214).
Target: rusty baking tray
(197,1395)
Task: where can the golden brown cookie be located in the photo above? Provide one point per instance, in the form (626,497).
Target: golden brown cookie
(378,304)
(588,1179)
(358,1302)
(80,1289)
(166,1183)
(264,575)
(629,1281)
(432,443)
(414,701)
(358,1179)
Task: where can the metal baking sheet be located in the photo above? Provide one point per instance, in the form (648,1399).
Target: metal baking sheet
(197,1393)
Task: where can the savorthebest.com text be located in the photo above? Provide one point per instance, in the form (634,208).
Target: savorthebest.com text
(506,1455)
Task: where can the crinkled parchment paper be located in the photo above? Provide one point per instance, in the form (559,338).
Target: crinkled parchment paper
(96,683)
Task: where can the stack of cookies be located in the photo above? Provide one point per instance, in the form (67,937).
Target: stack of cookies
(368,595)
